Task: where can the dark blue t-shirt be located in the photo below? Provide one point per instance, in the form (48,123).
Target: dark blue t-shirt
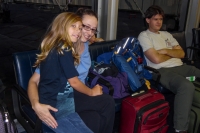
(54,72)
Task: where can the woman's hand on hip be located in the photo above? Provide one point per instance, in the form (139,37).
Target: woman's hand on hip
(43,112)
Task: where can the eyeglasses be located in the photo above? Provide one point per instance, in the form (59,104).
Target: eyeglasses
(85,27)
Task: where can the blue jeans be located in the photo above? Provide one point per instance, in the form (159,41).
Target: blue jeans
(71,124)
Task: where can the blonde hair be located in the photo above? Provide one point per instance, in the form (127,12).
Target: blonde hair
(58,34)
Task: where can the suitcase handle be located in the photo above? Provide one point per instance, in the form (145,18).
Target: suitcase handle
(147,95)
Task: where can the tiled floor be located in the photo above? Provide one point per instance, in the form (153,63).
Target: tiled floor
(19,127)
(23,33)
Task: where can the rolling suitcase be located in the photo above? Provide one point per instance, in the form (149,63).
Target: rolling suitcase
(194,125)
(144,113)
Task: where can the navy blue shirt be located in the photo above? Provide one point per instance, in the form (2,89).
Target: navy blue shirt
(54,72)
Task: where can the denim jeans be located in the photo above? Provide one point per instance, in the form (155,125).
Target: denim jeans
(71,124)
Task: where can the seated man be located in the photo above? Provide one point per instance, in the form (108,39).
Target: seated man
(163,52)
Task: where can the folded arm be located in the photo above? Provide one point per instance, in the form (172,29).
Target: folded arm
(159,56)
(175,52)
(155,57)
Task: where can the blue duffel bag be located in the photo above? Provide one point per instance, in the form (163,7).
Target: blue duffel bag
(128,56)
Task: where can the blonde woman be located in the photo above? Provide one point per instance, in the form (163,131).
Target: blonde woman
(56,62)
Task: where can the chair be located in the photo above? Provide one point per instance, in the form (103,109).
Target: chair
(23,67)
(23,62)
(195,47)
(99,48)
(180,38)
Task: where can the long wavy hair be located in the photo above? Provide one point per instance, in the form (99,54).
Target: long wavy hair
(57,37)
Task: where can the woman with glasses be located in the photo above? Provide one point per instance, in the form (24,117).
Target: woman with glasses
(100,104)
(97,112)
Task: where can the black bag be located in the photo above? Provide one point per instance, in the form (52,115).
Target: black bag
(106,69)
(111,74)
(7,125)
(194,125)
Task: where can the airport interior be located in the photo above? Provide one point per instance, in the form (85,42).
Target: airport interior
(23,24)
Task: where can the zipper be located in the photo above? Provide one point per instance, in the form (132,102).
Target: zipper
(144,109)
(157,110)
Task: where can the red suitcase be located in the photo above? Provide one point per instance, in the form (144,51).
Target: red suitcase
(144,113)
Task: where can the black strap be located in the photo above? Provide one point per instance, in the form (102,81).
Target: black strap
(8,123)
(2,92)
(3,111)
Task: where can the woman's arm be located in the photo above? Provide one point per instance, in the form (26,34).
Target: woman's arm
(33,88)
(79,86)
(42,110)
